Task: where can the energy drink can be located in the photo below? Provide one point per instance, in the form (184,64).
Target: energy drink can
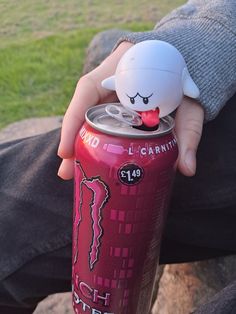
(123,180)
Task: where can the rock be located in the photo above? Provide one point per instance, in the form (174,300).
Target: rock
(60,303)
(29,127)
(100,47)
(184,287)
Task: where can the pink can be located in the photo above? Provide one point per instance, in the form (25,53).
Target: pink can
(123,180)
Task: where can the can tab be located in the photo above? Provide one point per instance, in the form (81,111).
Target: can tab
(124,115)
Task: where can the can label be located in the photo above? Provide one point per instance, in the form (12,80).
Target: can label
(99,197)
(122,188)
(130,174)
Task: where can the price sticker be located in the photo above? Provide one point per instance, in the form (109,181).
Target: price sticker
(130,174)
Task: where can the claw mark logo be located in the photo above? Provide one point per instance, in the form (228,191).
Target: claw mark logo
(100,196)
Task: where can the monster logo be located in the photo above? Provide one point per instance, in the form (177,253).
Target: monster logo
(100,196)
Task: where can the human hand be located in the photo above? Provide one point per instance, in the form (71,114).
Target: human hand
(188,127)
(88,93)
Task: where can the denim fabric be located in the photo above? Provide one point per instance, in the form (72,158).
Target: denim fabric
(46,274)
(36,206)
(203,208)
(223,302)
(36,213)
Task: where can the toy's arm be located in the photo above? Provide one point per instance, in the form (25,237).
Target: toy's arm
(205,33)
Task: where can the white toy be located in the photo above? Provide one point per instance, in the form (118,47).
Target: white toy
(151,79)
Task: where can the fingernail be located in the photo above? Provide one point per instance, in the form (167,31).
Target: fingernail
(190,161)
(59,172)
(59,150)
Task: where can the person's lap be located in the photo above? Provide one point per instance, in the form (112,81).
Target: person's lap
(36,212)
(45,274)
(203,208)
(35,222)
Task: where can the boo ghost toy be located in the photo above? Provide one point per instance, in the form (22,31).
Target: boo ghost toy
(150,81)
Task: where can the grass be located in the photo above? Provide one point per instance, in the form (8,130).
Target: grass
(43,44)
(37,79)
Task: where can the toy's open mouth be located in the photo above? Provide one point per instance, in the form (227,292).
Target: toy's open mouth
(151,118)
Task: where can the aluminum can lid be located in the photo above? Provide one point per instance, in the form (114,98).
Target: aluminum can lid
(98,119)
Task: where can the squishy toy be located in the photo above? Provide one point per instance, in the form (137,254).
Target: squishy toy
(150,81)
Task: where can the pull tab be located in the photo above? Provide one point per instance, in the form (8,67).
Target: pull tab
(124,115)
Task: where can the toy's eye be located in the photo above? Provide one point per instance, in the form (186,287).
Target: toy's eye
(132,100)
(145,100)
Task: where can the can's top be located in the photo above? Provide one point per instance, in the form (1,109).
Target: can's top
(99,119)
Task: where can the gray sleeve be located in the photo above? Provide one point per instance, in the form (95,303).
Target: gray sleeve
(205,34)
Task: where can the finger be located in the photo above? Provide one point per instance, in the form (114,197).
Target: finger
(66,170)
(85,95)
(189,124)
(89,92)
(72,121)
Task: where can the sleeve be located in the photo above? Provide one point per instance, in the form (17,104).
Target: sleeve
(205,33)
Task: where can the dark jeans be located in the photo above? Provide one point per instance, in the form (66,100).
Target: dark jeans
(36,216)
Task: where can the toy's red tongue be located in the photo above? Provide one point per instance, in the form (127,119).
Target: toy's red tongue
(150,118)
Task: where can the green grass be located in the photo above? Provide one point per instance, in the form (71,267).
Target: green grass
(43,45)
(37,79)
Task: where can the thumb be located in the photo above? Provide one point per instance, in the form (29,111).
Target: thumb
(189,124)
